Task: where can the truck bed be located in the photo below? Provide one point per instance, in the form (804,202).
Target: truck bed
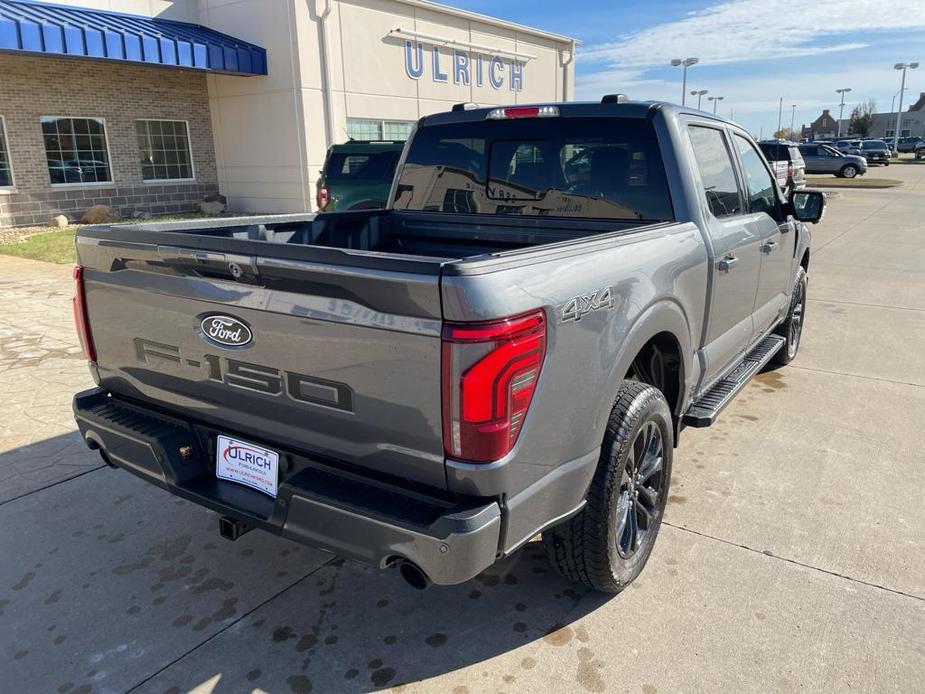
(345,311)
(441,236)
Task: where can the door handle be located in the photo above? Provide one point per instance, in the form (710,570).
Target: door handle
(768,246)
(727,262)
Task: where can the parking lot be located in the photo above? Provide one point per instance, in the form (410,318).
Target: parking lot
(793,555)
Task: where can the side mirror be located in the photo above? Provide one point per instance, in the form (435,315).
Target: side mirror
(807,205)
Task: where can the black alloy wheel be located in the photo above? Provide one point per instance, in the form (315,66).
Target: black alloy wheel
(641,489)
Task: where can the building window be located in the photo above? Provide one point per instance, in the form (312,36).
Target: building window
(6,173)
(362,129)
(164,149)
(76,150)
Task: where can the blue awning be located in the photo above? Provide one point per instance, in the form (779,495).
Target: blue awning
(55,30)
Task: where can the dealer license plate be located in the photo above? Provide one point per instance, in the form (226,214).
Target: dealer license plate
(247,463)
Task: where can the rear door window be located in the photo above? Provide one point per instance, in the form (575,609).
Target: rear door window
(716,171)
(600,168)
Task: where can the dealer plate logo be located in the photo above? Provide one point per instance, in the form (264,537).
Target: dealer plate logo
(247,463)
(225,331)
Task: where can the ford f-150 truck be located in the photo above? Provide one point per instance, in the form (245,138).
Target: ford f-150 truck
(512,347)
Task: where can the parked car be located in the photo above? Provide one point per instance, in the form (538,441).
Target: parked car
(512,347)
(357,175)
(907,144)
(848,146)
(920,150)
(876,152)
(787,163)
(822,159)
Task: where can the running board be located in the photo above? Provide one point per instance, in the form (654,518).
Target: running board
(707,408)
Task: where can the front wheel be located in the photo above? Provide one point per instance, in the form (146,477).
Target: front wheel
(849,171)
(792,327)
(608,543)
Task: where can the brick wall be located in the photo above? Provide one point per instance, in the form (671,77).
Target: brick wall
(120,93)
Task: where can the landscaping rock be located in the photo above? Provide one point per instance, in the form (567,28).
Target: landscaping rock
(213,204)
(58,222)
(100,214)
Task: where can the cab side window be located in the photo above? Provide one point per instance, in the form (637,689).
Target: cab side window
(716,171)
(758,182)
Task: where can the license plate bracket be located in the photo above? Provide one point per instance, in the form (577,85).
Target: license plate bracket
(247,463)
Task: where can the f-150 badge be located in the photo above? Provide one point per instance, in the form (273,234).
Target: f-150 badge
(579,306)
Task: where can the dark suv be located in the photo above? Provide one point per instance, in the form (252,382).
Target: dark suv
(789,152)
(357,175)
(876,152)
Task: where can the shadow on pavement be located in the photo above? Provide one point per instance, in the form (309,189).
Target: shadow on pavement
(351,628)
(109,584)
(29,468)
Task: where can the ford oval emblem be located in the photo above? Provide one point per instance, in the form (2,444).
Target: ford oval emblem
(225,331)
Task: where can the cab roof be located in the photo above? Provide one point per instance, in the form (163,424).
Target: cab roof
(572,109)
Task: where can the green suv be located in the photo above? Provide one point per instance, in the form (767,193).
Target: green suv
(357,175)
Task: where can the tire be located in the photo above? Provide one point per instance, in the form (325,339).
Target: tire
(848,171)
(630,486)
(792,327)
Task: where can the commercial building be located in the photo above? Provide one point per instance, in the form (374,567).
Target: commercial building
(823,128)
(149,105)
(883,125)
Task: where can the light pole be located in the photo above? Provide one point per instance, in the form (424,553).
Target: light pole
(841,108)
(899,111)
(780,114)
(893,101)
(699,94)
(685,63)
(793,111)
(715,100)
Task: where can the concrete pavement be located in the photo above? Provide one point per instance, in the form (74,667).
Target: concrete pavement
(793,555)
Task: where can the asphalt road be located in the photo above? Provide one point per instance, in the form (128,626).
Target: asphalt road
(793,555)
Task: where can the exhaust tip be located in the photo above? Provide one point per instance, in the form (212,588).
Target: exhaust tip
(413,575)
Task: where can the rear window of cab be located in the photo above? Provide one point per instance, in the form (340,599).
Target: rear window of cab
(598,168)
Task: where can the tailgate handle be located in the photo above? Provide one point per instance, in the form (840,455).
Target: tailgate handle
(240,267)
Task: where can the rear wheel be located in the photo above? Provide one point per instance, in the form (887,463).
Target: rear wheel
(792,327)
(608,543)
(848,171)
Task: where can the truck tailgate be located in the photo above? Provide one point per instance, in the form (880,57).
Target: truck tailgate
(342,361)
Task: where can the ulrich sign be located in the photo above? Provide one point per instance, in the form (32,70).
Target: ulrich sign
(463,67)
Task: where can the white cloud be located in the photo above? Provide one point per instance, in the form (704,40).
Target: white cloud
(746,30)
(743,31)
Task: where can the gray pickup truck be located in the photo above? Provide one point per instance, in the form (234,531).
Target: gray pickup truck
(512,347)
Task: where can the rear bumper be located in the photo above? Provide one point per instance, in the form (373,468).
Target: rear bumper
(321,505)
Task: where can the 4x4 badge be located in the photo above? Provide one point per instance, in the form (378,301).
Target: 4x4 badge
(579,306)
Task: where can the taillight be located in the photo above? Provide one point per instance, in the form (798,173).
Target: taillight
(79,303)
(322,197)
(490,372)
(523,112)
(789,169)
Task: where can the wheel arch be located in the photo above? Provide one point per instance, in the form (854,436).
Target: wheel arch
(661,332)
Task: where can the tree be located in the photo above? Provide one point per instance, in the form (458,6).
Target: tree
(788,134)
(862,119)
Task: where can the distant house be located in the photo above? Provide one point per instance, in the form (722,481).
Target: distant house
(883,125)
(825,127)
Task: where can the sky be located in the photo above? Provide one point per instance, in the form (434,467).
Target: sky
(752,52)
